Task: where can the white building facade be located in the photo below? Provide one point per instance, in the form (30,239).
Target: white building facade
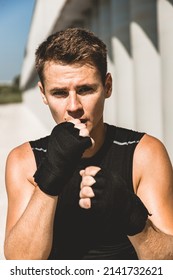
(139,37)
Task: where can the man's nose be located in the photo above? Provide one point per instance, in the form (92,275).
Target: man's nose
(74,103)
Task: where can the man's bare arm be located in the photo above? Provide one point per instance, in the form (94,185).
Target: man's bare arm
(30,216)
(153,179)
(152,244)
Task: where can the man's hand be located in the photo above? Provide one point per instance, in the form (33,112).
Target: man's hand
(111,202)
(86,192)
(66,145)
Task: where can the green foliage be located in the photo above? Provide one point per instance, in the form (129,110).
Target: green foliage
(10,93)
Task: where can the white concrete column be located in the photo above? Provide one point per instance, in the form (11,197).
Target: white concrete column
(165,27)
(146,67)
(94,19)
(103,18)
(44,18)
(124,100)
(104,32)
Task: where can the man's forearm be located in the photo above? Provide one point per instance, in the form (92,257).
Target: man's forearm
(31,237)
(152,244)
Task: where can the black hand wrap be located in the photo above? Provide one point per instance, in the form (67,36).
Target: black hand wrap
(65,148)
(115,204)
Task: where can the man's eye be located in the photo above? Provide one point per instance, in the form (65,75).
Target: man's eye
(84,90)
(60,93)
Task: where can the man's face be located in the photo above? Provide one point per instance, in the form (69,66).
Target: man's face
(75,92)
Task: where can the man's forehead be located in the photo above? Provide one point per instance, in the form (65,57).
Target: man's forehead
(60,73)
(52,63)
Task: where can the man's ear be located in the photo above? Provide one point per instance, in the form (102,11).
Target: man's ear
(108,85)
(42,92)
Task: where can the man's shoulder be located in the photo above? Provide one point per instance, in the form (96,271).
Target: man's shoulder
(151,158)
(21,156)
(20,152)
(150,147)
(21,162)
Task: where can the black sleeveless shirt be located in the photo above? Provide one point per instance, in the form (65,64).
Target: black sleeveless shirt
(76,235)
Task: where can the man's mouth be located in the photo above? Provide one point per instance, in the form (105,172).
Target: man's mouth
(83,120)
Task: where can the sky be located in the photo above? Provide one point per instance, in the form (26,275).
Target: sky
(15,19)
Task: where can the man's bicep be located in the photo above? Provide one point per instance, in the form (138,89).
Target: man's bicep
(156,184)
(19,189)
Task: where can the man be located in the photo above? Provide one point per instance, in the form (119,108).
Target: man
(89,190)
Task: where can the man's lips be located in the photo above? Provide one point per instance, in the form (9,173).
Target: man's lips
(83,120)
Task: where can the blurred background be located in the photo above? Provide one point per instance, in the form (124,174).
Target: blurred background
(139,37)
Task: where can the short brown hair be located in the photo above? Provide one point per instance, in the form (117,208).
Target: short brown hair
(72,45)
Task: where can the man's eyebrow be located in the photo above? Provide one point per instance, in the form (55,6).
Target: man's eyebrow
(93,85)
